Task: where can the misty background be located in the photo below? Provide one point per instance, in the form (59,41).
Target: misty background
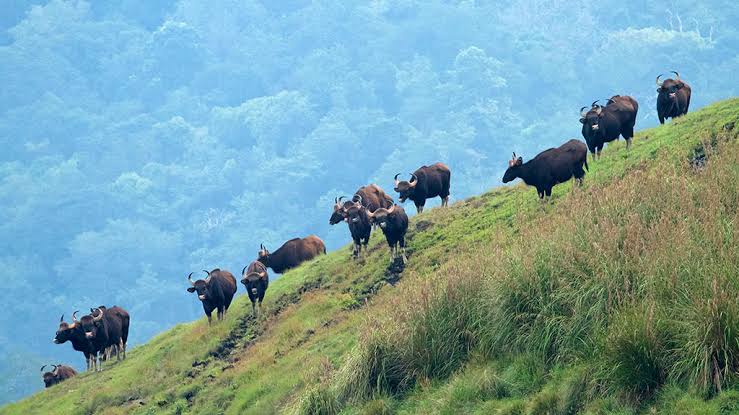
(142,140)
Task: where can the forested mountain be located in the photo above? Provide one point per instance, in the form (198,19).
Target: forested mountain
(143,140)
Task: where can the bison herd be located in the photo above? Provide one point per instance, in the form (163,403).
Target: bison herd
(104,332)
(98,335)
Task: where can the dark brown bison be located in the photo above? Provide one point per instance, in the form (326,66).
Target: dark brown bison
(603,124)
(673,97)
(215,292)
(96,332)
(74,334)
(58,374)
(117,322)
(256,280)
(425,183)
(359,225)
(394,224)
(292,253)
(371,197)
(550,167)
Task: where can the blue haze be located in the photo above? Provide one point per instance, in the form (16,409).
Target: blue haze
(142,140)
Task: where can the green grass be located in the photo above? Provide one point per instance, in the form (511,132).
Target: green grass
(616,298)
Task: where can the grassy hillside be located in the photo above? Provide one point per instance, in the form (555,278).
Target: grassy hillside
(618,297)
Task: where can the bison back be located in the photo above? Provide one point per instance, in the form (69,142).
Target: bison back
(434,180)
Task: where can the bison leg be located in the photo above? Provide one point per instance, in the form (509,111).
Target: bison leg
(209,318)
(661,119)
(401,243)
(419,208)
(445,201)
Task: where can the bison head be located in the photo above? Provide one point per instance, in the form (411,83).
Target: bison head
(201,286)
(512,172)
(354,210)
(251,279)
(65,330)
(50,378)
(339,213)
(380,216)
(405,188)
(668,88)
(91,324)
(263,253)
(591,118)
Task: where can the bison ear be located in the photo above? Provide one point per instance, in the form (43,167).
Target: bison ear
(519,161)
(191,289)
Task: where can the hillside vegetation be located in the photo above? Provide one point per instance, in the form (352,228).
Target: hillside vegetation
(617,298)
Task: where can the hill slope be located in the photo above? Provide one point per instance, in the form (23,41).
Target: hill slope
(506,305)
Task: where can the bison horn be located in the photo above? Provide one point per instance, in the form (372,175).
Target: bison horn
(582,114)
(414,180)
(100,315)
(599,110)
(391,210)
(189,278)
(74,316)
(396,179)
(677,75)
(594,102)
(242,271)
(208,277)
(338,202)
(657,81)
(42,367)
(358,196)
(61,320)
(55,368)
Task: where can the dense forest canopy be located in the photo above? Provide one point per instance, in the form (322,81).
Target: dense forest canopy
(143,140)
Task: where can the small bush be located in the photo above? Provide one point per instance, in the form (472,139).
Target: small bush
(317,401)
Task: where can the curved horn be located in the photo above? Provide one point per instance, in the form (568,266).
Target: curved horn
(261,246)
(514,155)
(242,271)
(359,197)
(414,179)
(594,102)
(677,75)
(74,316)
(599,110)
(396,179)
(100,315)
(657,81)
(42,367)
(208,277)
(189,278)
(55,368)
(391,210)
(61,320)
(582,114)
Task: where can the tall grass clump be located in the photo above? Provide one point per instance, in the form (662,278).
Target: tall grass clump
(426,332)
(635,354)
